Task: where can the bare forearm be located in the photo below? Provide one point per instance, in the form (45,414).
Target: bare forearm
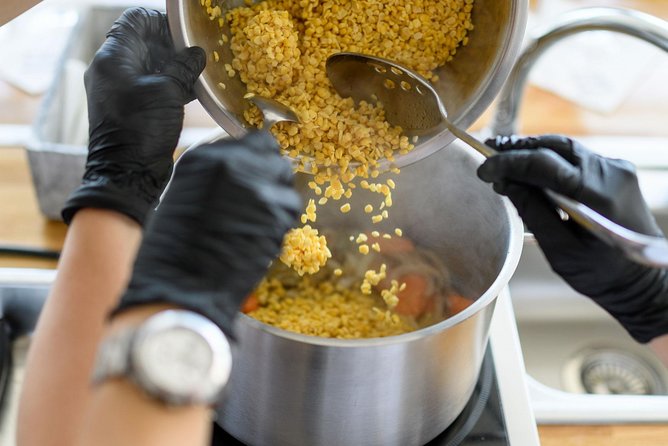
(94,269)
(120,413)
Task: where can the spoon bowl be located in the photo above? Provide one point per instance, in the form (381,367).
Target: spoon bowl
(411,102)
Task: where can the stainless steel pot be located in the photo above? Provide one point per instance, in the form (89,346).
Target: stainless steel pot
(290,389)
(467,84)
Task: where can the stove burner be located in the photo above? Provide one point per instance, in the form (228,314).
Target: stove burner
(480,423)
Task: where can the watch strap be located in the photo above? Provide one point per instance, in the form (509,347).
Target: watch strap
(113,357)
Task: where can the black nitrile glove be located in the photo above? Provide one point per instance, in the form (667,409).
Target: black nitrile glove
(221,223)
(634,294)
(137,86)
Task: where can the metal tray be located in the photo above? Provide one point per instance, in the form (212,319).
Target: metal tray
(58,146)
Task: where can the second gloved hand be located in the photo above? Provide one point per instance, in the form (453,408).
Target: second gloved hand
(636,295)
(220,225)
(137,86)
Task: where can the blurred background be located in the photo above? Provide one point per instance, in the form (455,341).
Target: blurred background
(605,89)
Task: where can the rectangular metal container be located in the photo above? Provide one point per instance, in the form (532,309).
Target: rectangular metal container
(58,146)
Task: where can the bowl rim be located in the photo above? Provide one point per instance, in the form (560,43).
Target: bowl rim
(488,89)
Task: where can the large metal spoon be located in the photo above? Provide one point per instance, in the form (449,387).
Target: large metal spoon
(411,102)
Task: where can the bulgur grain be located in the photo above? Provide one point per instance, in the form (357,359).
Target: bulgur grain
(321,308)
(305,250)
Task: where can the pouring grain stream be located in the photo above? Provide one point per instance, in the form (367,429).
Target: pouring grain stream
(280,48)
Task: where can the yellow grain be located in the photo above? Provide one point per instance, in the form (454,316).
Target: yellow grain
(305,250)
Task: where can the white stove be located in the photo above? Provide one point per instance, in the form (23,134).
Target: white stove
(511,375)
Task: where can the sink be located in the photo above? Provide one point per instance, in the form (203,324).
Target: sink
(22,295)
(582,366)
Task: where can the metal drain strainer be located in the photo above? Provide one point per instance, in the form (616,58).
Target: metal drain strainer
(610,371)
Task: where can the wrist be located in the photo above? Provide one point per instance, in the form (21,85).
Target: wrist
(175,356)
(212,303)
(660,347)
(88,213)
(134,316)
(108,196)
(641,306)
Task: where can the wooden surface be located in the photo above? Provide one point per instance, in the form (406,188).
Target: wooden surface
(640,435)
(21,222)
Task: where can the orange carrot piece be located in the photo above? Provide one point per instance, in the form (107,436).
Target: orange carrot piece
(412,300)
(251,303)
(457,303)
(431,303)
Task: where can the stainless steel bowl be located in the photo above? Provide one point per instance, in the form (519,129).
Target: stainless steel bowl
(467,84)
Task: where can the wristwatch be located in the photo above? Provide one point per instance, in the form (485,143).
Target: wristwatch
(176,356)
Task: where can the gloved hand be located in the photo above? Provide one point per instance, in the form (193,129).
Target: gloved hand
(221,223)
(634,294)
(137,86)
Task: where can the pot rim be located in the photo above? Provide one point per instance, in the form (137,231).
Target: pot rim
(514,250)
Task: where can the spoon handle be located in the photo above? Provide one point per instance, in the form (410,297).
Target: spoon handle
(472,141)
(645,249)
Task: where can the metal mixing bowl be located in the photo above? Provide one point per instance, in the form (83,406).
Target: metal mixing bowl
(467,84)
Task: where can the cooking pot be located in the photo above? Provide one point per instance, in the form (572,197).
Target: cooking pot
(467,84)
(292,389)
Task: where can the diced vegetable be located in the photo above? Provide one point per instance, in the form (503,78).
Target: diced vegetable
(251,303)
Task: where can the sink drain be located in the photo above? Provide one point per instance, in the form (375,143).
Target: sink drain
(612,372)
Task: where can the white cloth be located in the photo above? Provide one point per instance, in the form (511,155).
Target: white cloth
(597,70)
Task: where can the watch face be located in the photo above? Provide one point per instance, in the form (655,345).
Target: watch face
(176,360)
